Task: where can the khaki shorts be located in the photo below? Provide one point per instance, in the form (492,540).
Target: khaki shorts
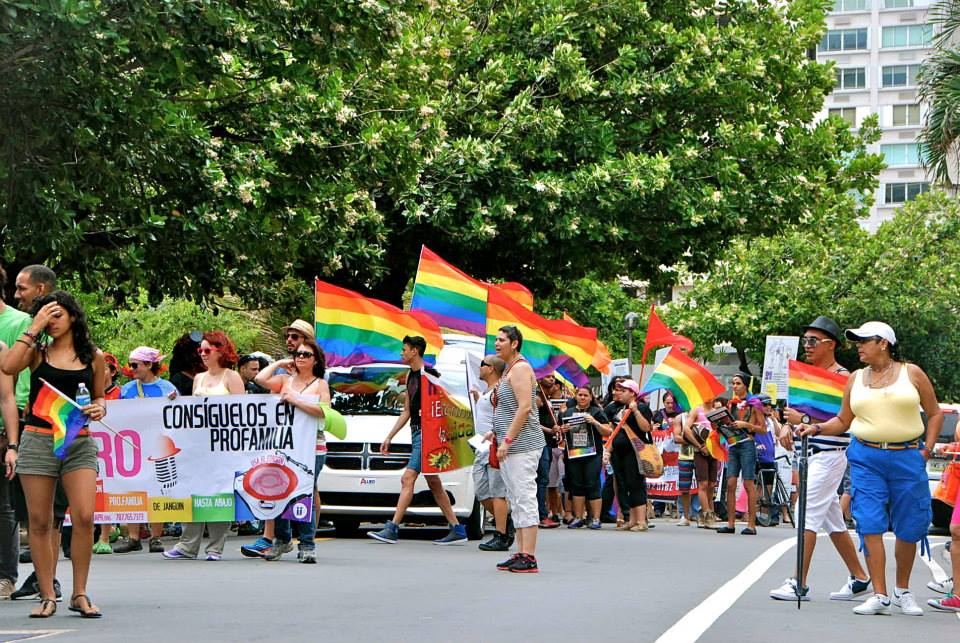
(36,455)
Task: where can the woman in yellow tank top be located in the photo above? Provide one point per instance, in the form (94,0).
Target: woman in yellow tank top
(881,409)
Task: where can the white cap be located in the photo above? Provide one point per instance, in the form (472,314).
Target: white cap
(871,329)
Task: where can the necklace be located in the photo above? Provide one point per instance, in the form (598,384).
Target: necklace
(878,379)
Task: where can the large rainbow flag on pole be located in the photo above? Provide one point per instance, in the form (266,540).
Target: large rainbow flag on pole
(448,295)
(547,343)
(354,330)
(63,414)
(690,383)
(815,391)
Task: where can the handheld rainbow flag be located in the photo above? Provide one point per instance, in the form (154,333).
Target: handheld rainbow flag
(547,343)
(690,383)
(815,391)
(449,296)
(63,414)
(355,330)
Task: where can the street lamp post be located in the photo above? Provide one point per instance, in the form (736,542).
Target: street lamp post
(630,323)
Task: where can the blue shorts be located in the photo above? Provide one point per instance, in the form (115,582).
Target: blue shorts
(416,460)
(889,491)
(685,474)
(742,460)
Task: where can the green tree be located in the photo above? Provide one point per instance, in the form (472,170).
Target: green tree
(940,90)
(905,274)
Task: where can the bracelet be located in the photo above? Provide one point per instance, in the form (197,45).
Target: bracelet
(508,441)
(29,334)
(24,342)
(817,428)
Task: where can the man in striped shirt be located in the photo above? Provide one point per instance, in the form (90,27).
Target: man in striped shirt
(827,462)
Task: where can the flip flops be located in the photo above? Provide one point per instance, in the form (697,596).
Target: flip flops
(84,613)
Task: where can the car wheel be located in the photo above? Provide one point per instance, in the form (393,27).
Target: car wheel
(346,527)
(475,521)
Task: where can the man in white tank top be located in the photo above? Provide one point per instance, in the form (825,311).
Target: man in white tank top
(827,463)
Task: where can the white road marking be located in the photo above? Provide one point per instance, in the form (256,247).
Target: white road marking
(695,622)
(32,635)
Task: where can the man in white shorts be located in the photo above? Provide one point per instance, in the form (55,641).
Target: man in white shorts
(827,461)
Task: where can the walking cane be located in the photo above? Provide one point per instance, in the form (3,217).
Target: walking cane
(801,515)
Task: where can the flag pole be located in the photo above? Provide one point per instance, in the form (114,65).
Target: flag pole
(77,406)
(801,516)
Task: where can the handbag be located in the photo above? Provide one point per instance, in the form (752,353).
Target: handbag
(494,460)
(949,488)
(648,456)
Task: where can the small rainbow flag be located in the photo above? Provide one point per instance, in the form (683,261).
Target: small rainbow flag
(547,343)
(815,391)
(449,296)
(355,330)
(690,383)
(63,414)
(364,380)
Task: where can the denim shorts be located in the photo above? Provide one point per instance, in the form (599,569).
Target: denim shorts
(416,449)
(742,460)
(889,491)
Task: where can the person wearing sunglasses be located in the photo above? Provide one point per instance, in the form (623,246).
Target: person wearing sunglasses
(491,489)
(888,454)
(219,356)
(110,389)
(826,464)
(296,333)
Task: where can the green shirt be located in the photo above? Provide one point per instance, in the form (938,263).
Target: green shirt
(12,324)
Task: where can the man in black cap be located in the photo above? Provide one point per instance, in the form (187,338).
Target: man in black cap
(827,462)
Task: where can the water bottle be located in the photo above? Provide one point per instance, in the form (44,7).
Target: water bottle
(83,398)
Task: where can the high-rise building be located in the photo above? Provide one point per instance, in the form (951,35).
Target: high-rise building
(878,47)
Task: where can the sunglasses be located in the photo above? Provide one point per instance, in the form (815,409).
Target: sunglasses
(293,336)
(864,340)
(304,354)
(205,351)
(134,364)
(485,364)
(812,341)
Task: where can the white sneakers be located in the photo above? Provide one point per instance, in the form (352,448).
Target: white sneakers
(906,602)
(878,604)
(946,587)
(850,590)
(788,591)
(683,522)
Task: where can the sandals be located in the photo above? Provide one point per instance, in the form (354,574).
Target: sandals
(43,609)
(84,613)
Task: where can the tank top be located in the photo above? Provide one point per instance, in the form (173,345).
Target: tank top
(889,414)
(531,436)
(64,380)
(321,446)
(201,387)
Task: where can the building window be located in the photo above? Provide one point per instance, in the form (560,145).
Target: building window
(897,4)
(848,114)
(901,154)
(903,192)
(851,78)
(904,115)
(900,75)
(844,6)
(907,36)
(844,40)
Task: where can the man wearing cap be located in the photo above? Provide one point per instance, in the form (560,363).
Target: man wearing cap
(827,462)
(295,333)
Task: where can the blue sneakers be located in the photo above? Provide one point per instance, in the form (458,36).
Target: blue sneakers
(577,523)
(259,549)
(386,535)
(456,536)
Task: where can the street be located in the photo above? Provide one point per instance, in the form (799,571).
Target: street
(597,585)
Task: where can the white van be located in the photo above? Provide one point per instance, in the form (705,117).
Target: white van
(357,483)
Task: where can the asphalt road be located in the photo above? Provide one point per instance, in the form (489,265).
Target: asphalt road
(593,585)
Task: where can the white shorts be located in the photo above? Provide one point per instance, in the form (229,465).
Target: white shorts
(824,473)
(519,471)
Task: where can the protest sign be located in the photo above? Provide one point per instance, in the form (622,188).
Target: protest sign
(776,359)
(205,459)
(580,442)
(447,426)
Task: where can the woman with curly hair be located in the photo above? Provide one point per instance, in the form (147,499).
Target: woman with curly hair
(57,348)
(219,355)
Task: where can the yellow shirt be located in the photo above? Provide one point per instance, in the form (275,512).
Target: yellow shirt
(889,414)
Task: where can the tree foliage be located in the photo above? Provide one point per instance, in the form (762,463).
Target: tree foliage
(906,274)
(194,146)
(940,90)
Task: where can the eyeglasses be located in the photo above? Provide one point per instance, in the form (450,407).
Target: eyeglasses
(812,341)
(205,351)
(293,336)
(133,364)
(304,354)
(485,364)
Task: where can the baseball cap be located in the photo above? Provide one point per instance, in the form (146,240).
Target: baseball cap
(871,329)
(630,385)
(302,327)
(826,325)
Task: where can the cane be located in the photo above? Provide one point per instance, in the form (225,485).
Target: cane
(801,515)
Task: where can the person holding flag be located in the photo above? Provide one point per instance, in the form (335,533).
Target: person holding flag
(56,443)
(826,465)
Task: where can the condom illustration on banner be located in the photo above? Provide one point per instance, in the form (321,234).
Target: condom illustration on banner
(275,486)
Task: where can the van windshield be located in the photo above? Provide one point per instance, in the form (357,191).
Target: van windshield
(368,390)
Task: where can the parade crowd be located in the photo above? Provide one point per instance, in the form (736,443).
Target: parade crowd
(552,456)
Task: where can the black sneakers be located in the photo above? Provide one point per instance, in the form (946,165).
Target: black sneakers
(508,563)
(497,543)
(524,564)
(30,589)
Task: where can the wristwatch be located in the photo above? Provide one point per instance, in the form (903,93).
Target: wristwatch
(13,446)
(805,419)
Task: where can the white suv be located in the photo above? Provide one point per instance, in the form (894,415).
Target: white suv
(357,483)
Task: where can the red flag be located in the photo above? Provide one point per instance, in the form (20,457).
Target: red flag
(659,334)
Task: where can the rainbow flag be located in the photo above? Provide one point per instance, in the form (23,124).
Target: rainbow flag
(690,383)
(601,356)
(364,380)
(547,343)
(570,373)
(355,330)
(815,391)
(451,297)
(63,414)
(518,292)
